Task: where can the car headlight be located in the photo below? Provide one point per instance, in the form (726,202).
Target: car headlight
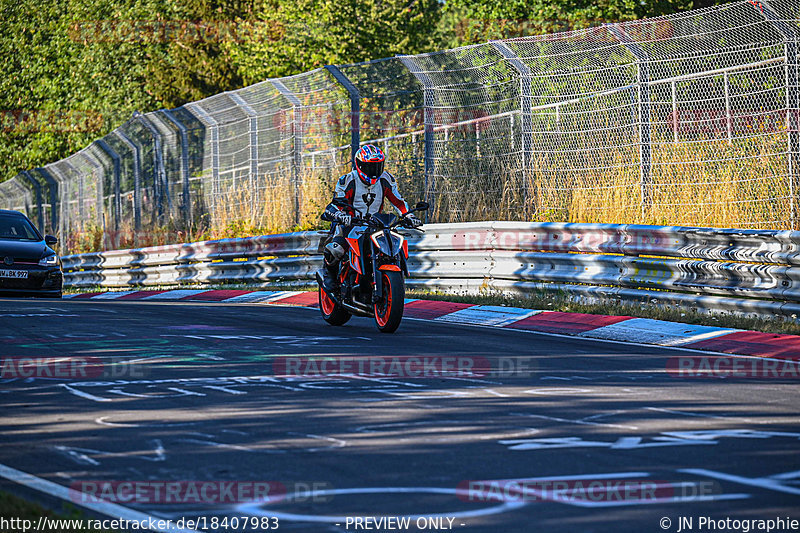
(50,260)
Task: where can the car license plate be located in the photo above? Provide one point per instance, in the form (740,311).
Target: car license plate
(14,274)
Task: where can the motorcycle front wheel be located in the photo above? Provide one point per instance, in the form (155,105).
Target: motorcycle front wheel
(389,311)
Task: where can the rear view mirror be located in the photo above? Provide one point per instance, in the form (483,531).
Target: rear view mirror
(49,240)
(422,206)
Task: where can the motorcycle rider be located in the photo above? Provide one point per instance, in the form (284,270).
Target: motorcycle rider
(362,190)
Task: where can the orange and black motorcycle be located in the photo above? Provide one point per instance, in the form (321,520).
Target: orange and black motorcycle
(372,273)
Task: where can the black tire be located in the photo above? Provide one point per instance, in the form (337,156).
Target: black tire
(389,312)
(332,313)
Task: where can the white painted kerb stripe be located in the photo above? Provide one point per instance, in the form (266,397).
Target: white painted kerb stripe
(59,491)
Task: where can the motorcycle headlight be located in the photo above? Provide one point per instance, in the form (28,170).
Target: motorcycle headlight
(387,247)
(50,260)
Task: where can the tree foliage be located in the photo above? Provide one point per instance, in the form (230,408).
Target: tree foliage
(73,70)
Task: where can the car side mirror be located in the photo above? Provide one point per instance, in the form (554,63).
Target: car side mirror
(49,240)
(422,206)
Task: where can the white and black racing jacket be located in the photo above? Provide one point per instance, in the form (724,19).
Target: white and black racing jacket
(356,198)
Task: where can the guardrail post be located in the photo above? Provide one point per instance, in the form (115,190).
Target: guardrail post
(525,104)
(52,185)
(115,162)
(792,102)
(38,192)
(160,187)
(430,120)
(643,83)
(182,131)
(137,183)
(355,108)
(211,122)
(297,137)
(253,130)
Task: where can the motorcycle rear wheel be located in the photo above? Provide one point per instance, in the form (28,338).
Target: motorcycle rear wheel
(333,314)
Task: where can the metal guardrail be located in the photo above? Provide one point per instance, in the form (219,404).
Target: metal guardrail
(745,271)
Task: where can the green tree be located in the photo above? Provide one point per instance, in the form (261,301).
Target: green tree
(474,21)
(293,36)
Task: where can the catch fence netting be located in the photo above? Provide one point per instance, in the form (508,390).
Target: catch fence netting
(688,119)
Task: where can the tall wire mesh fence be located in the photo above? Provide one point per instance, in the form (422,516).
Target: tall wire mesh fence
(688,119)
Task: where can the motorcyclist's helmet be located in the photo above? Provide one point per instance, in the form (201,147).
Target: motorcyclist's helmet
(369,162)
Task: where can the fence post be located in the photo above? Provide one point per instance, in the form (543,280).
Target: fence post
(182,131)
(211,122)
(253,145)
(24,193)
(160,187)
(115,161)
(792,102)
(38,191)
(525,104)
(137,183)
(429,103)
(81,214)
(97,165)
(297,137)
(52,185)
(63,193)
(643,83)
(355,108)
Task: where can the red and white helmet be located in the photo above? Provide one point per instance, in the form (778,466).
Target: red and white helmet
(369,162)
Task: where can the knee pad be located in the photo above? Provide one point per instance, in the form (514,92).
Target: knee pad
(334,250)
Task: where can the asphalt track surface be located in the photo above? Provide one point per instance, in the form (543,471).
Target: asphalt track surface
(205,404)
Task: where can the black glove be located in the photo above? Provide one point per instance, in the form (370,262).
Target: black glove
(413,221)
(343,218)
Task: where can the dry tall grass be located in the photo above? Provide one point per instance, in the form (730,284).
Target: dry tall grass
(711,183)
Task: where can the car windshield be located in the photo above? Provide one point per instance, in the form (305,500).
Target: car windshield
(17,228)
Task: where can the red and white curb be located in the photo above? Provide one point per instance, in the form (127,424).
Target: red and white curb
(616,328)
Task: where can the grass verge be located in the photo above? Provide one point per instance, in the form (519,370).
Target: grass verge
(13,507)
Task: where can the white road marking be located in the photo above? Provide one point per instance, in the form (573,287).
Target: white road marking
(109,509)
(103,422)
(582,421)
(499,394)
(86,395)
(556,391)
(787,475)
(685,413)
(185,392)
(257,509)
(337,443)
(224,389)
(761,482)
(80,457)
(76,455)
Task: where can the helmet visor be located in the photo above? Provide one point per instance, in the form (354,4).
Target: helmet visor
(371,169)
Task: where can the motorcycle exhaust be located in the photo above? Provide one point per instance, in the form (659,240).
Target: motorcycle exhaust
(356,310)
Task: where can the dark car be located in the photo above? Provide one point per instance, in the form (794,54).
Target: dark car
(28,266)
